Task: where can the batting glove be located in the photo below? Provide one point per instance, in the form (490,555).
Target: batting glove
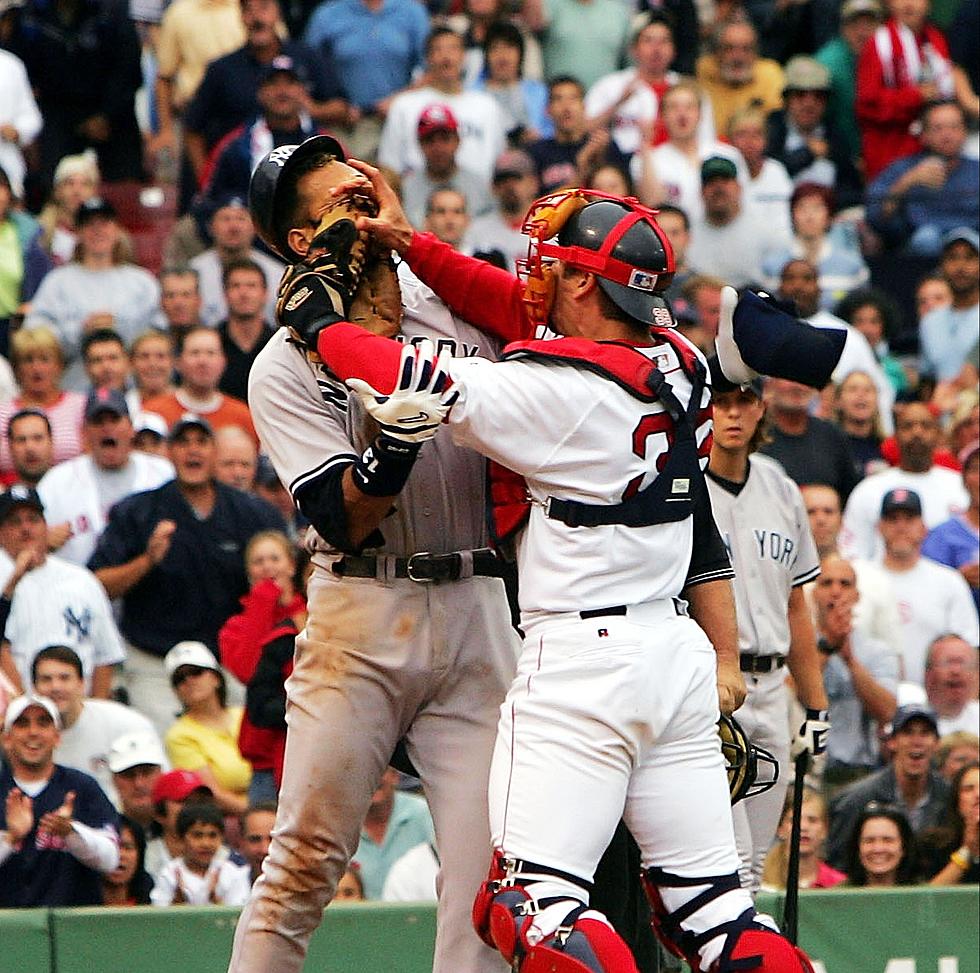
(812,735)
(419,402)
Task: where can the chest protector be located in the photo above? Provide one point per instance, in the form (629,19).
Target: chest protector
(670,497)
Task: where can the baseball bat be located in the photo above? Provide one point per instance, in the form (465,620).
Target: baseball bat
(791,911)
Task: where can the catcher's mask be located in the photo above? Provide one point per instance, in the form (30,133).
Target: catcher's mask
(270,175)
(742,760)
(616,238)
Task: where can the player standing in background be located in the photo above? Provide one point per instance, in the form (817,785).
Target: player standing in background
(398,644)
(763,521)
(605,425)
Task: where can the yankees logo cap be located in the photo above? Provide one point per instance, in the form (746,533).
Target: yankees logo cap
(18,706)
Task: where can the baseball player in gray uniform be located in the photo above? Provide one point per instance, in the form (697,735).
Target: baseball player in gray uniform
(409,633)
(764,523)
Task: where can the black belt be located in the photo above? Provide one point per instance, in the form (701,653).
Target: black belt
(761,663)
(622,610)
(422,567)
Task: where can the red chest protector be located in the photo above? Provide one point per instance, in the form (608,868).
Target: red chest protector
(638,375)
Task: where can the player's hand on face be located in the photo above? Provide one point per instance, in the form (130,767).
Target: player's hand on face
(731,688)
(159,543)
(390,227)
(19,811)
(59,822)
(421,399)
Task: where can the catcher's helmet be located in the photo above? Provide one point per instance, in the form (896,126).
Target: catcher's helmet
(742,760)
(639,261)
(268,178)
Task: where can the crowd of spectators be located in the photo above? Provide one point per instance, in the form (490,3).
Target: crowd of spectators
(151,563)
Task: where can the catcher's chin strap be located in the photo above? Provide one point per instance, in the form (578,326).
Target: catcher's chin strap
(711,923)
(539,919)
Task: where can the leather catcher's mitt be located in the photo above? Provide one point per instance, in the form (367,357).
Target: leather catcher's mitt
(343,277)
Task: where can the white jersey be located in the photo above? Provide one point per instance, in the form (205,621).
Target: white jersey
(933,600)
(941,491)
(767,196)
(77,492)
(510,412)
(86,743)
(62,604)
(482,130)
(767,533)
(640,109)
(234,883)
(308,425)
(413,877)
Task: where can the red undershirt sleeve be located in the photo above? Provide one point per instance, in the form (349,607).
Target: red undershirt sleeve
(352,352)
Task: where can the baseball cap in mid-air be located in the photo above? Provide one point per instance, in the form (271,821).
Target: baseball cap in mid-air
(190,420)
(437,118)
(717,167)
(178,785)
(19,496)
(901,500)
(720,384)
(17,707)
(137,749)
(106,401)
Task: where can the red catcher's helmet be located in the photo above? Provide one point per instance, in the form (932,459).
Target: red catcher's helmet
(618,239)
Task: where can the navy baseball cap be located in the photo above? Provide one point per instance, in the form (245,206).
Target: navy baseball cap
(720,384)
(104,400)
(283,64)
(914,711)
(901,499)
(19,496)
(717,167)
(93,208)
(190,420)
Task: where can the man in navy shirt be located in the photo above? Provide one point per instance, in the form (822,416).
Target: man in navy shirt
(57,829)
(176,557)
(227,96)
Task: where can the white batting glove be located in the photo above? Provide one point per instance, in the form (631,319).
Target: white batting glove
(812,735)
(420,400)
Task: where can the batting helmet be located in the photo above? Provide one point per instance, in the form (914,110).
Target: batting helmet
(742,761)
(265,191)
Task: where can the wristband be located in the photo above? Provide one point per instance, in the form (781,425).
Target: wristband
(961,858)
(384,466)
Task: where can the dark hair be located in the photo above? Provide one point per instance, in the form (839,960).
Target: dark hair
(287,192)
(5,180)
(436,33)
(504,32)
(263,807)
(57,653)
(193,330)
(180,270)
(201,812)
(141,884)
(677,211)
(906,867)
(98,336)
(891,315)
(949,832)
(26,414)
(649,18)
(941,103)
(241,263)
(565,79)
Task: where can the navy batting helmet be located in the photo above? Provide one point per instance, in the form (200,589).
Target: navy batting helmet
(265,191)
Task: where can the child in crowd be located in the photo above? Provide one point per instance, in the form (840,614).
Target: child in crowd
(197,877)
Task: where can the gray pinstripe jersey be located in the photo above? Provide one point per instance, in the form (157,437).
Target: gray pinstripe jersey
(307,422)
(768,537)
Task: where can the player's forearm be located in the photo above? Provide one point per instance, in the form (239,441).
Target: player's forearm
(364,513)
(879,702)
(803,658)
(712,606)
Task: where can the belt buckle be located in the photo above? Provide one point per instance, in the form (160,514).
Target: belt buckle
(409,568)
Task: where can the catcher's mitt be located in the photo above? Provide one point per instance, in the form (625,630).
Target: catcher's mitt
(343,277)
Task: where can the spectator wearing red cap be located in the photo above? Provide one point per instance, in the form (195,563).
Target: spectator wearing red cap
(171,792)
(438,136)
(482,126)
(933,600)
(515,184)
